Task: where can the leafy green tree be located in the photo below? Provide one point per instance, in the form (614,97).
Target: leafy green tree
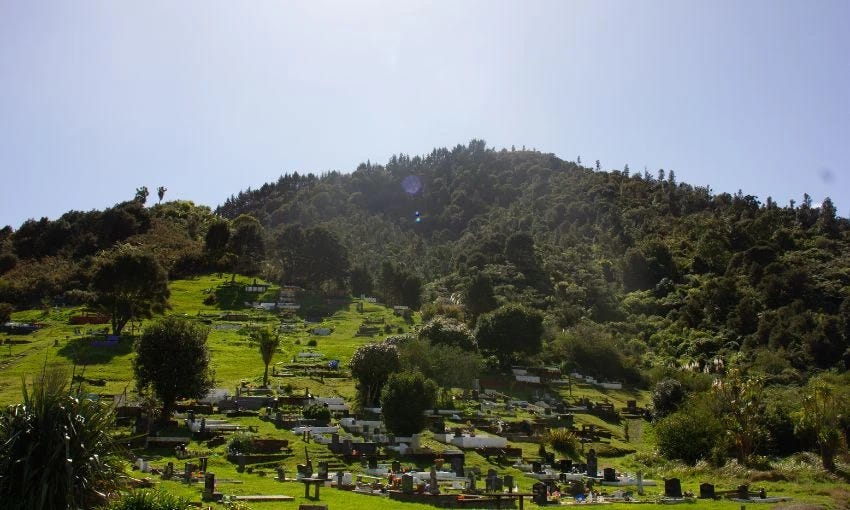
(449,366)
(479,297)
(447,331)
(268,343)
(248,243)
(217,238)
(371,365)
(510,329)
(667,396)
(325,258)
(404,400)
(172,357)
(361,281)
(56,450)
(689,434)
(820,417)
(128,284)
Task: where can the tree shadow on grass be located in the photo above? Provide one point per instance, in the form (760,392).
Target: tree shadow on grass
(91,351)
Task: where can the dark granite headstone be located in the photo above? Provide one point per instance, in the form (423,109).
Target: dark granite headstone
(323,470)
(591,463)
(373,462)
(169,471)
(209,483)
(457,466)
(706,491)
(672,488)
(744,492)
(539,493)
(407,483)
(565,465)
(536,467)
(396,466)
(609,474)
(203,464)
(509,483)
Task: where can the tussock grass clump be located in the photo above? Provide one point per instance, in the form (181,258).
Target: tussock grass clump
(149,500)
(563,441)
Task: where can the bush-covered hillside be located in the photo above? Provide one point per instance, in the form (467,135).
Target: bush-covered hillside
(659,273)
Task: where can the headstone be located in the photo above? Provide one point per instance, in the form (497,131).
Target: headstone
(640,483)
(672,488)
(706,491)
(241,461)
(434,486)
(169,471)
(396,466)
(323,470)
(744,492)
(550,458)
(509,483)
(281,474)
(458,432)
(209,483)
(565,465)
(539,494)
(591,463)
(203,465)
(335,438)
(373,462)
(407,483)
(470,483)
(536,467)
(609,474)
(457,466)
(339,476)
(187,472)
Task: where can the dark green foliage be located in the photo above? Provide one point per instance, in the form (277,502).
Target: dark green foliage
(404,400)
(592,351)
(480,297)
(361,282)
(172,357)
(55,449)
(508,330)
(6,310)
(689,434)
(371,365)
(247,242)
(448,365)
(129,284)
(317,412)
(563,441)
(149,499)
(241,442)
(448,332)
(667,396)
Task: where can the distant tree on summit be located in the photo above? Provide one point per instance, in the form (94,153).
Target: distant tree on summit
(160,192)
(142,194)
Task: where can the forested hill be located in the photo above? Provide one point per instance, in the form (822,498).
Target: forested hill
(665,271)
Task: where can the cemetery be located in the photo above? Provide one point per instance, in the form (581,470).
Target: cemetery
(489,446)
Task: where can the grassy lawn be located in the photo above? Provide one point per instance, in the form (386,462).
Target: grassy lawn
(236,360)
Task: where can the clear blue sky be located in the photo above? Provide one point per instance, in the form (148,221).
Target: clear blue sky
(207,97)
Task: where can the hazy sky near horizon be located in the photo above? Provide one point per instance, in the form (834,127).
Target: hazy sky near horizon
(207,98)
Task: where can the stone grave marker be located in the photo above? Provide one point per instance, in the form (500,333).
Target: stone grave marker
(672,488)
(509,483)
(168,474)
(407,483)
(203,464)
(323,470)
(706,491)
(565,465)
(457,466)
(609,474)
(591,463)
(539,494)
(433,485)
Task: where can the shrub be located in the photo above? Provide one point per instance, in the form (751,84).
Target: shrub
(240,443)
(149,500)
(689,434)
(312,342)
(6,310)
(563,441)
(55,450)
(667,396)
(317,412)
